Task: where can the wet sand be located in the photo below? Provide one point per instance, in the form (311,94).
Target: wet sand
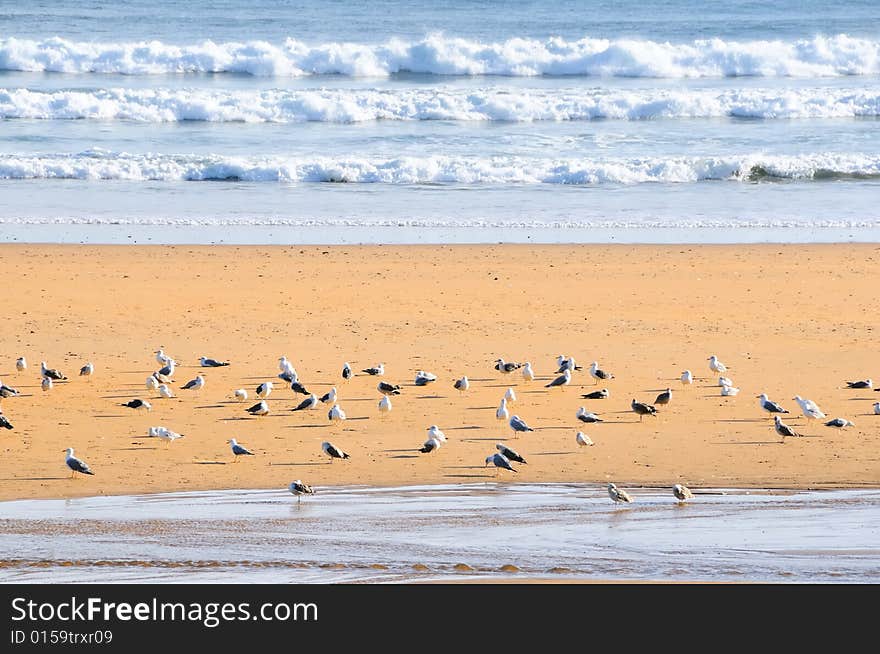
(787,319)
(464,532)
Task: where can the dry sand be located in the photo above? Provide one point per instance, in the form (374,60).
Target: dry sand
(786,319)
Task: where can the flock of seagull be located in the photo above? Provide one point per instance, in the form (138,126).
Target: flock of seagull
(501,460)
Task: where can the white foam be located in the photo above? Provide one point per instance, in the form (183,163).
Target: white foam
(100,164)
(416,104)
(437,54)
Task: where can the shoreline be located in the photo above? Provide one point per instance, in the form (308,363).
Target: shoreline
(786,319)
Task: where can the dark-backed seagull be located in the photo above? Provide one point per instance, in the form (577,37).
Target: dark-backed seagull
(264,390)
(333,452)
(51,373)
(8,391)
(296,387)
(261,408)
(378,369)
(769,406)
(682,493)
(461,385)
(288,376)
(329,396)
(423,378)
(587,416)
(782,429)
(431,445)
(643,409)
(877,408)
(311,402)
(598,373)
(76,465)
(517,424)
(563,380)
(566,364)
(336,414)
(499,461)
(388,389)
(194,384)
(840,423)
(617,494)
(4,423)
(597,395)
(212,363)
(346,371)
(141,405)
(664,397)
(505,366)
(509,453)
(238,450)
(166,374)
(298,488)
(87,370)
(863,383)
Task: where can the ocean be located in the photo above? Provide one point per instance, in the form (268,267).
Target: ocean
(448,121)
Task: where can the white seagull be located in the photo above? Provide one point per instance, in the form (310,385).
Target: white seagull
(809,408)
(21,364)
(434,432)
(152,383)
(510,396)
(501,412)
(725,381)
(582,439)
(617,494)
(336,414)
(46,383)
(240,395)
(167,435)
(385,404)
(162,358)
(729,390)
(527,372)
(877,408)
(687,377)
(165,391)
(76,465)
(715,365)
(212,363)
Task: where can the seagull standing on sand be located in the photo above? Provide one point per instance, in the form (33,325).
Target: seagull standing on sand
(583,440)
(431,445)
(687,378)
(378,369)
(809,408)
(346,371)
(46,383)
(296,387)
(264,390)
(527,372)
(336,414)
(587,416)
(664,397)
(51,373)
(212,363)
(261,408)
(566,364)
(194,384)
(138,404)
(87,370)
(682,493)
(238,450)
(598,373)
(21,364)
(240,395)
(509,453)
(877,408)
(510,396)
(461,385)
(152,383)
(330,396)
(518,425)
(298,488)
(333,452)
(76,465)
(563,380)
(385,404)
(617,494)
(311,402)
(167,435)
(768,406)
(501,413)
(499,461)
(424,378)
(165,391)
(840,423)
(162,358)
(782,429)
(165,374)
(643,409)
(434,432)
(715,365)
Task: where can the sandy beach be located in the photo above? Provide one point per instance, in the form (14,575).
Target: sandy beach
(793,319)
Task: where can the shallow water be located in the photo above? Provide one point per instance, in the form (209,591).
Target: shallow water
(485,531)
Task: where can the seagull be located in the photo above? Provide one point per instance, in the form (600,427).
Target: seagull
(212,363)
(162,358)
(840,423)
(165,374)
(165,391)
(729,390)
(809,408)
(76,465)
(264,390)
(241,395)
(141,405)
(8,391)
(423,378)
(509,395)
(194,384)
(508,453)
(864,383)
(715,365)
(87,370)
(563,380)
(566,364)
(346,371)
(598,374)
(517,424)
(782,429)
(296,387)
(333,452)
(378,369)
(289,376)
(501,412)
(597,395)
(582,439)
(430,445)
(682,493)
(388,389)
(506,367)
(167,435)
(725,381)
(152,383)
(238,450)
(643,409)
(46,383)
(687,378)
(298,488)
(51,373)
(336,414)
(527,372)
(311,402)
(877,408)
(499,461)
(385,404)
(617,494)
(284,365)
(768,406)
(329,397)
(261,408)
(461,385)
(664,397)
(434,432)
(587,416)
(4,423)
(21,364)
